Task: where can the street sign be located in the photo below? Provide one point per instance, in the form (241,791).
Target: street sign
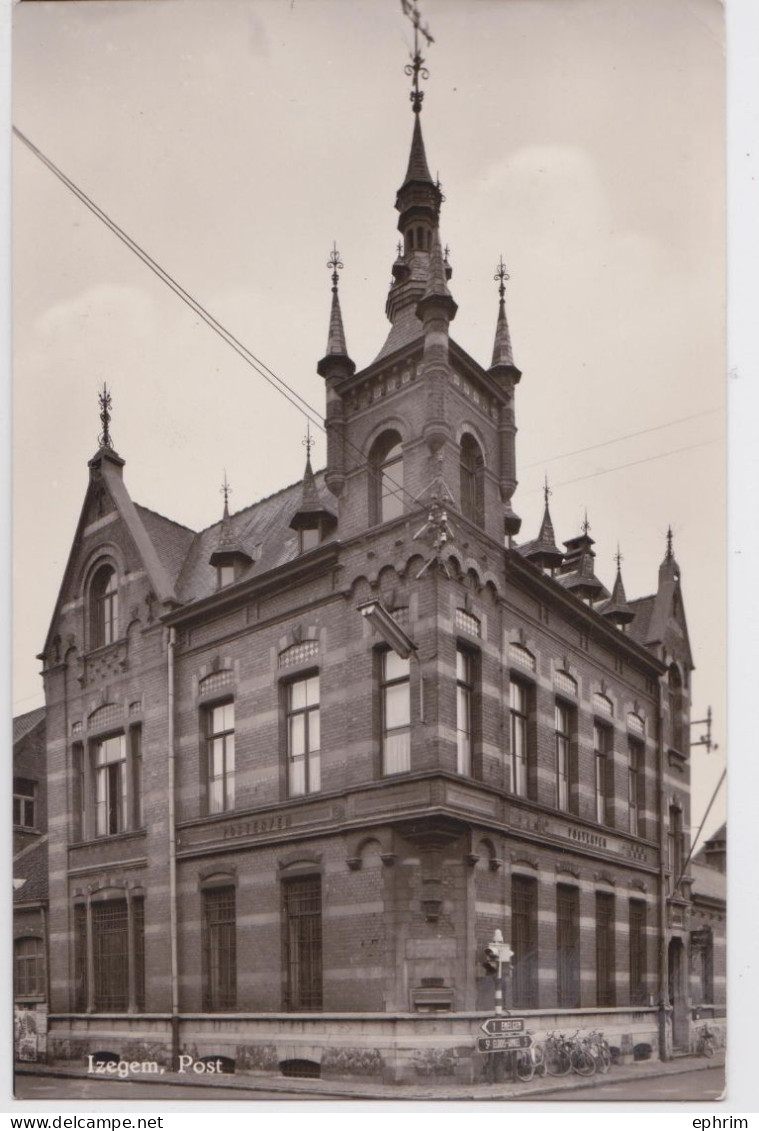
(504,1044)
(495,1026)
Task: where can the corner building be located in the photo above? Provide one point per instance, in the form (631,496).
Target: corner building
(302,764)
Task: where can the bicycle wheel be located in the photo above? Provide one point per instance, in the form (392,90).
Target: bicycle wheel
(539,1060)
(603,1062)
(582,1062)
(557,1061)
(525,1066)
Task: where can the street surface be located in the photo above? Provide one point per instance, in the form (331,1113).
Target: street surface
(683,1088)
(82,1088)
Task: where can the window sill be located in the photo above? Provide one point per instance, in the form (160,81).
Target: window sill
(130,834)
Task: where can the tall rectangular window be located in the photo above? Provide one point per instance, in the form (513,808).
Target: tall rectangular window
(221,757)
(110,786)
(605,949)
(396,713)
(219,949)
(524,939)
(602,744)
(303,943)
(303,737)
(464,710)
(519,700)
(568,946)
(80,958)
(29,967)
(110,949)
(138,915)
(23,802)
(637,923)
(135,741)
(635,779)
(563,754)
(675,844)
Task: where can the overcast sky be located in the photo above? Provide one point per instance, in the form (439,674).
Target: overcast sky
(581,139)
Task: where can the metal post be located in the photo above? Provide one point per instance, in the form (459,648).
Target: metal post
(499,987)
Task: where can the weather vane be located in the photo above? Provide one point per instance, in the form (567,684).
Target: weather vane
(586,524)
(546,489)
(226,491)
(618,558)
(104,400)
(336,263)
(308,440)
(501,277)
(669,543)
(416,67)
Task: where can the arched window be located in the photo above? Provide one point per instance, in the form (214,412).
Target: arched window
(104,607)
(29,955)
(472,470)
(386,478)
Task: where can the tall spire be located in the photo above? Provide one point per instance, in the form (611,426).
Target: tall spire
(543,551)
(437,286)
(669,570)
(503,356)
(229,551)
(312,513)
(336,346)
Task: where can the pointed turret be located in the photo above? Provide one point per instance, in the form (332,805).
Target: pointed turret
(616,608)
(543,551)
(335,367)
(436,296)
(577,572)
(313,519)
(669,570)
(505,373)
(229,557)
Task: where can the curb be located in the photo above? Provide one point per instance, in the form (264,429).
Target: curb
(509,1092)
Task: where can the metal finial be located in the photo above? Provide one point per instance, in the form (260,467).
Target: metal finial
(501,276)
(336,263)
(586,524)
(669,543)
(104,399)
(446,253)
(308,440)
(618,558)
(547,492)
(416,67)
(226,491)
(400,249)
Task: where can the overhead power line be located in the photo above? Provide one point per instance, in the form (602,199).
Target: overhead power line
(633,463)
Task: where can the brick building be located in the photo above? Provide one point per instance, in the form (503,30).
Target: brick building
(708,942)
(302,764)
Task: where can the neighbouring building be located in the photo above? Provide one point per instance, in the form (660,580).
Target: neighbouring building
(708,943)
(304,763)
(30,885)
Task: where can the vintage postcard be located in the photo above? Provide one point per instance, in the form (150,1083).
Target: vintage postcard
(369,550)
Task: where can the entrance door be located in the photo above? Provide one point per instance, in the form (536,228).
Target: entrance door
(677,998)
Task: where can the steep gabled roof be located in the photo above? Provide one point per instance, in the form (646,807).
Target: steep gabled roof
(642,607)
(171,540)
(25,724)
(30,866)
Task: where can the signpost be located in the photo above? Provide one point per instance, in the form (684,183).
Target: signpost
(504,1044)
(499,1026)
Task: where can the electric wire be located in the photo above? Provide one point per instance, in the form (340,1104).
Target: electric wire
(622,466)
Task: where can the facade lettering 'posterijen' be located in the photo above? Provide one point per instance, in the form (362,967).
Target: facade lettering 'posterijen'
(303,765)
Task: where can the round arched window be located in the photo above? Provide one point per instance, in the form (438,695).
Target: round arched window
(104,607)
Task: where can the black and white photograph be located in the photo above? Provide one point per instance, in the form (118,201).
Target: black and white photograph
(369,685)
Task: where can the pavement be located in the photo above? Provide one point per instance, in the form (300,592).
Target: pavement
(245,1086)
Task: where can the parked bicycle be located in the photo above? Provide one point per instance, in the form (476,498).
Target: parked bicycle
(557,1054)
(599,1049)
(531,1061)
(705,1041)
(581,1058)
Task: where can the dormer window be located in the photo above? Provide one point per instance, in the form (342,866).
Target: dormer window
(104,607)
(310,537)
(226,575)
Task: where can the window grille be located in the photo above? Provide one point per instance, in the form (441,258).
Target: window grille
(216,681)
(524,939)
(108,715)
(220,948)
(564,682)
(636,724)
(605,956)
(466,622)
(110,947)
(638,994)
(76,728)
(135,707)
(602,705)
(519,655)
(138,924)
(299,653)
(303,943)
(568,946)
